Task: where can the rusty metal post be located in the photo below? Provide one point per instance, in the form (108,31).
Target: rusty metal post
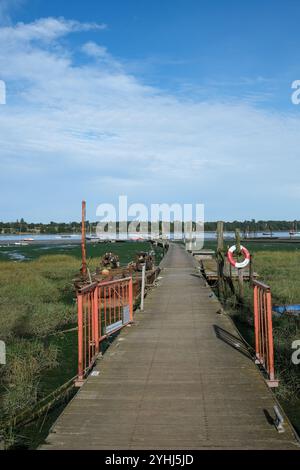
(83,241)
(96,319)
(256,321)
(80,340)
(272,382)
(264,344)
(93,322)
(130,294)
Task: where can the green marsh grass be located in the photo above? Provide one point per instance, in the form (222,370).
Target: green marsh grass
(37,302)
(279,267)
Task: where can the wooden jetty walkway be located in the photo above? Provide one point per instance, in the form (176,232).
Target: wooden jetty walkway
(178,378)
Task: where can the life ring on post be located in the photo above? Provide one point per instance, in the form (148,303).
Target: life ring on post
(236,264)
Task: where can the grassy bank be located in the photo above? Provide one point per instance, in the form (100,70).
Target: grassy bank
(279,267)
(37,301)
(281,270)
(37,297)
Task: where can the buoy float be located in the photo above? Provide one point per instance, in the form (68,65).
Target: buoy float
(105,272)
(236,264)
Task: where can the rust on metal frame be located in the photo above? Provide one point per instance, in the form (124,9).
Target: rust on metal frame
(100,314)
(263,330)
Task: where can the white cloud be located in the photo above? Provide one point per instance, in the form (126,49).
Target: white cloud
(94,50)
(100,54)
(94,130)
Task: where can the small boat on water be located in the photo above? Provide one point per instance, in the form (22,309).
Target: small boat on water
(294,234)
(268,232)
(62,237)
(95,239)
(92,237)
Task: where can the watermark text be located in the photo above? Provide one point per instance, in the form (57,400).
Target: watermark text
(175,221)
(296,353)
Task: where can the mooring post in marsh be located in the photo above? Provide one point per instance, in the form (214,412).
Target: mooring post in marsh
(240,270)
(251,273)
(220,258)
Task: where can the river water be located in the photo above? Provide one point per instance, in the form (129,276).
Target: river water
(132,236)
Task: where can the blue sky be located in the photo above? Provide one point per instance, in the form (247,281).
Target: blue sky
(164,101)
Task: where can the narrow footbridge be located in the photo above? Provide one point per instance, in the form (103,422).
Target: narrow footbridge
(178,377)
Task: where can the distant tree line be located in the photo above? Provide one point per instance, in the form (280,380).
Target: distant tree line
(21,226)
(256,225)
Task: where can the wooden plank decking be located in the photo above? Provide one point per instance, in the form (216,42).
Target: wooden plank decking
(179,378)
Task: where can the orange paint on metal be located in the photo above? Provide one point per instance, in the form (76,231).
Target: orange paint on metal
(256,319)
(80,337)
(270,338)
(100,314)
(96,320)
(130,300)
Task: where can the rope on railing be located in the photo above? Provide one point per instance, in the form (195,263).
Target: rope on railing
(27,416)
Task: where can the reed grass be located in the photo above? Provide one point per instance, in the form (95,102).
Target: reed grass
(281,271)
(37,299)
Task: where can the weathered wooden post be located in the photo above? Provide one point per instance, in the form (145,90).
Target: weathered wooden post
(240,270)
(220,236)
(251,277)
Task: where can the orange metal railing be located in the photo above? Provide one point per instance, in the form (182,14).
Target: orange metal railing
(103,309)
(263,329)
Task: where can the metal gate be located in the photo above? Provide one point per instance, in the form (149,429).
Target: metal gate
(103,309)
(263,328)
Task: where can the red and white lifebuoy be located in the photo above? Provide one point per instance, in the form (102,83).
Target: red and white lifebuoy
(234,263)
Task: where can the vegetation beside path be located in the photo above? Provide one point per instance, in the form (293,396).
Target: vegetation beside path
(37,302)
(279,267)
